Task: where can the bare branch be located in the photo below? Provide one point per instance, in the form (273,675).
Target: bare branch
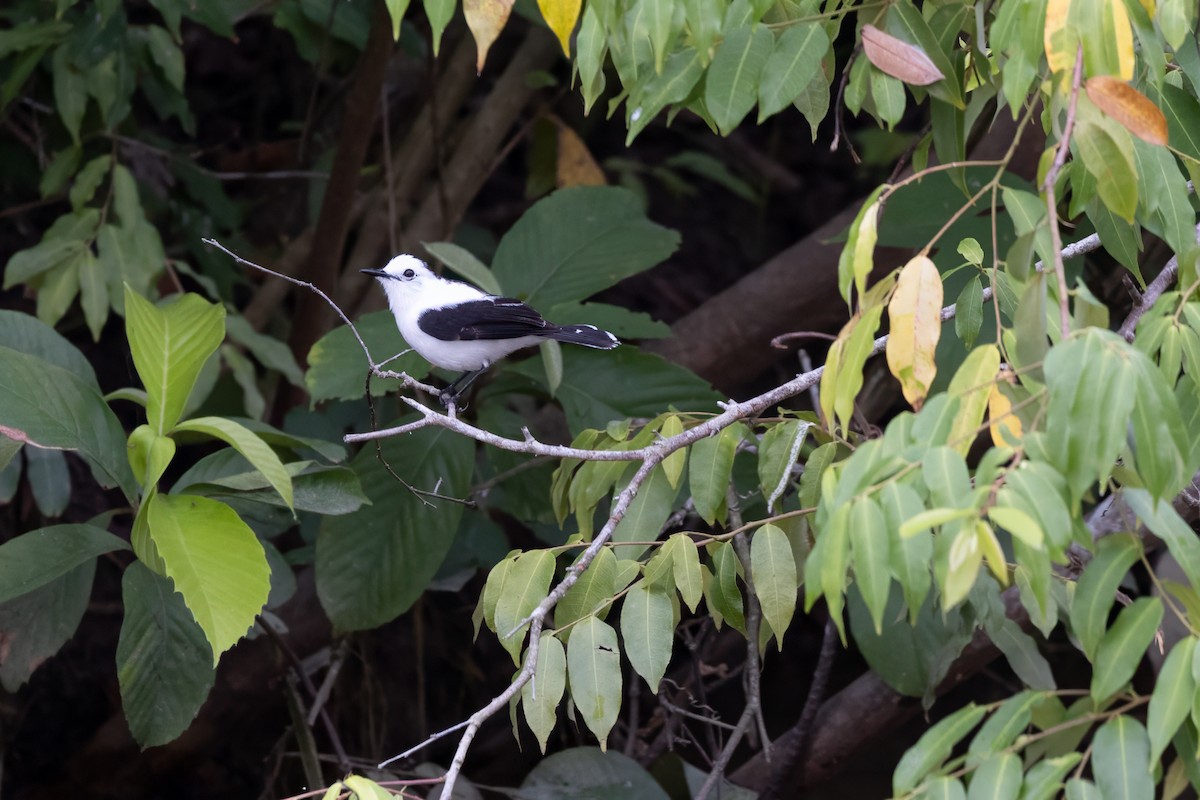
(1155,290)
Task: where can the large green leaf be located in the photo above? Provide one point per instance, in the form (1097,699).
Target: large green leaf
(164,663)
(465,264)
(254,449)
(576,242)
(648,630)
(1172,698)
(170,345)
(594,669)
(586,772)
(322,490)
(373,564)
(1122,648)
(601,386)
(682,72)
(47,406)
(38,557)
(997,778)
(27,334)
(1108,157)
(37,623)
(1092,380)
(589,593)
(1121,759)
(710,465)
(337,367)
(216,562)
(870,551)
(646,515)
(1164,522)
(1182,111)
(934,747)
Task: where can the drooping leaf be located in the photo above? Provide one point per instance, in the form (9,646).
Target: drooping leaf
(1172,697)
(914,314)
(793,64)
(1121,759)
(997,778)
(541,695)
(934,747)
(648,631)
(777,455)
(870,551)
(594,669)
(164,663)
(1124,646)
(1108,156)
(710,465)
(40,556)
(775,579)
(972,383)
(337,366)
(1129,107)
(39,622)
(254,449)
(1097,588)
(486,18)
(899,59)
(525,585)
(731,86)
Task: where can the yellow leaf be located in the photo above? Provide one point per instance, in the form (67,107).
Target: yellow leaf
(1124,33)
(576,166)
(989,545)
(916,324)
(486,18)
(561,16)
(864,247)
(1060,47)
(1129,107)
(899,59)
(1005,425)
(973,384)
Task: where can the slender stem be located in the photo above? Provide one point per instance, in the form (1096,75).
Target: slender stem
(1060,157)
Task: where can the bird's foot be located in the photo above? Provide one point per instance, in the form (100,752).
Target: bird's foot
(450,401)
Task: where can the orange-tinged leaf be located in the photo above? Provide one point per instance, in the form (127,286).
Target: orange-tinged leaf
(1060,53)
(561,16)
(1129,107)
(576,166)
(916,326)
(486,18)
(899,59)
(1005,426)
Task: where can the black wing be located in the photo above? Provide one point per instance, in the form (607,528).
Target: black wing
(491,318)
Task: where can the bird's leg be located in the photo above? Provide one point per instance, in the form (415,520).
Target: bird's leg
(451,393)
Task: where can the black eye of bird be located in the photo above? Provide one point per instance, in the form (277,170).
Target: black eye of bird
(408,273)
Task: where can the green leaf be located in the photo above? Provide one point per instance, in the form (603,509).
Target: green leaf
(129,255)
(47,406)
(910,556)
(794,63)
(396,9)
(673,84)
(777,454)
(40,556)
(1003,727)
(540,696)
(1092,380)
(525,585)
(869,546)
(70,90)
(216,562)
(338,368)
(1165,523)
(648,630)
(1080,789)
(464,262)
(969,317)
(722,593)
(934,747)
(166,55)
(254,449)
(686,572)
(164,664)
(170,345)
(773,568)
(1097,588)
(731,86)
(646,515)
(49,480)
(1172,697)
(272,353)
(1021,652)
(1122,648)
(857,258)
(372,565)
(710,465)
(576,242)
(1121,239)
(997,778)
(320,489)
(93,294)
(1044,780)
(673,464)
(48,254)
(590,594)
(439,13)
(29,335)
(590,47)
(620,321)
(588,772)
(38,623)
(1107,153)
(594,669)
(1121,759)
(1182,111)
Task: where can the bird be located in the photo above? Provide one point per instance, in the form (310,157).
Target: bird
(458,327)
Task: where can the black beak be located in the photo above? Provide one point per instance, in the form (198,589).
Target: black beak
(378,273)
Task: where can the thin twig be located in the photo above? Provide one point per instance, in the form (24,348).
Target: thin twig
(1146,299)
(1060,158)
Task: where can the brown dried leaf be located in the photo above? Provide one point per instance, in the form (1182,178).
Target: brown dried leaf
(486,18)
(899,59)
(1128,106)
(576,166)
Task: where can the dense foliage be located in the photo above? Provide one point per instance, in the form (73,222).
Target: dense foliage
(1025,483)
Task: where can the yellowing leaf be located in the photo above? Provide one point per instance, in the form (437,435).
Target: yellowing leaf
(486,18)
(993,556)
(1005,426)
(899,59)
(1129,107)
(561,16)
(576,166)
(864,247)
(916,325)
(1124,39)
(1060,47)
(973,384)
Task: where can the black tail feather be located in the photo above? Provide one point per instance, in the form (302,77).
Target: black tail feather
(586,335)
